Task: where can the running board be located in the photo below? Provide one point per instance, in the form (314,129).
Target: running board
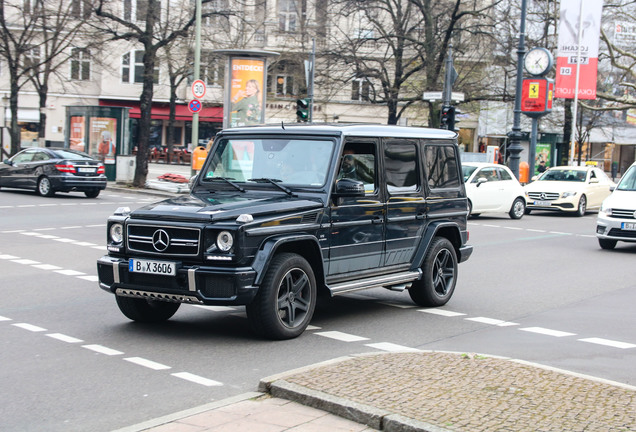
(399,281)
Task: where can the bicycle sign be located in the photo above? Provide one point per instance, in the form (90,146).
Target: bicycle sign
(195,106)
(198,89)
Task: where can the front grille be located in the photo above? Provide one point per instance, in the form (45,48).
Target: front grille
(623,213)
(168,240)
(617,232)
(551,196)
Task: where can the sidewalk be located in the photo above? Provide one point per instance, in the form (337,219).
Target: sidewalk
(417,391)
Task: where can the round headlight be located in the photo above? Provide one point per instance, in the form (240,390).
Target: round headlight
(117,233)
(224,241)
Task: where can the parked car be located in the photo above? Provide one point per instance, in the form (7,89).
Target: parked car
(278,214)
(493,188)
(616,219)
(573,189)
(51,170)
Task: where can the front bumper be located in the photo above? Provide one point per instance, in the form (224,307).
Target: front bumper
(192,284)
(561,204)
(608,228)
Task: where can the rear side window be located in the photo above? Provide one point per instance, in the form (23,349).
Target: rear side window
(400,163)
(441,166)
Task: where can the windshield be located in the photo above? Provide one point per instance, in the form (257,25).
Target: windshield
(302,162)
(628,182)
(467,170)
(564,175)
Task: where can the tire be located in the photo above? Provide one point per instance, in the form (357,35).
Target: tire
(92,193)
(44,187)
(146,311)
(582,207)
(607,244)
(527,211)
(518,208)
(440,275)
(285,302)
(470,208)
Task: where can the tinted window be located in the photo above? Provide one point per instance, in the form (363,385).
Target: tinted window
(401,167)
(441,166)
(358,163)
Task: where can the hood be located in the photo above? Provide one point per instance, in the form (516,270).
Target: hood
(625,200)
(206,207)
(554,186)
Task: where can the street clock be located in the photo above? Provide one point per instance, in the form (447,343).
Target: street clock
(538,61)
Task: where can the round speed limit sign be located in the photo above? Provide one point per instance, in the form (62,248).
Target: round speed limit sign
(198,89)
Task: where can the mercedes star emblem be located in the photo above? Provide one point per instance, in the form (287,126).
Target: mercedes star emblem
(543,196)
(160,240)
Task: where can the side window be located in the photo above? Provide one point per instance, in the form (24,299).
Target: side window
(400,163)
(490,174)
(23,157)
(358,163)
(441,166)
(40,156)
(503,174)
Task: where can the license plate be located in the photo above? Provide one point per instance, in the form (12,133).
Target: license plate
(628,226)
(86,170)
(166,268)
(543,203)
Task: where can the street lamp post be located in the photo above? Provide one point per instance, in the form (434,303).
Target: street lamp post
(515,135)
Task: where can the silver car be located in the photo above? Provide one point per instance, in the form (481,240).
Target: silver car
(617,216)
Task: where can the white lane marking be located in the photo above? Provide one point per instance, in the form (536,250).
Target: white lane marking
(491,321)
(610,343)
(71,227)
(586,235)
(8,257)
(514,228)
(30,233)
(343,337)
(391,347)
(197,379)
(313,327)
(48,236)
(89,278)
(47,267)
(441,312)
(102,248)
(25,205)
(535,230)
(47,205)
(147,363)
(5,319)
(95,226)
(64,240)
(492,226)
(29,327)
(25,261)
(559,232)
(102,350)
(44,229)
(84,244)
(64,338)
(69,272)
(547,332)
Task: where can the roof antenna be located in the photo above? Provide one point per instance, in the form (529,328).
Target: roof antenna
(282,124)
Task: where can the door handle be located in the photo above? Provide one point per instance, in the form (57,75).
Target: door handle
(377,220)
(420,216)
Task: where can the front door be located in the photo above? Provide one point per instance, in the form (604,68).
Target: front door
(357,223)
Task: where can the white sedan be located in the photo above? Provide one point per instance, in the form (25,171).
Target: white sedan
(574,189)
(492,188)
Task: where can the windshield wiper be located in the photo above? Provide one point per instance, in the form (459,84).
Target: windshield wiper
(274,182)
(229,181)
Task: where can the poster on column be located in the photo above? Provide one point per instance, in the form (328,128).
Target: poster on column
(102,139)
(247,93)
(568,50)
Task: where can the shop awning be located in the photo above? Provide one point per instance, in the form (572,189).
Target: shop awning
(162,111)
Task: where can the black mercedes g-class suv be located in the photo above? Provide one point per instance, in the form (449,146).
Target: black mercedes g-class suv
(278,213)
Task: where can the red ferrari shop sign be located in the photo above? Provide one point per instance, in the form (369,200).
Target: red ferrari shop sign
(536,96)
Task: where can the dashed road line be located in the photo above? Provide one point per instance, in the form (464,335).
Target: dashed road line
(29,327)
(3,318)
(197,379)
(147,363)
(492,321)
(343,337)
(64,338)
(442,312)
(607,342)
(391,347)
(547,332)
(102,350)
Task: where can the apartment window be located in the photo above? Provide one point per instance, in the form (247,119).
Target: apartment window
(287,15)
(80,8)
(137,10)
(80,64)
(217,11)
(32,59)
(360,89)
(212,69)
(282,78)
(132,68)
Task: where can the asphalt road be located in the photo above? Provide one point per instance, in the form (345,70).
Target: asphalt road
(538,289)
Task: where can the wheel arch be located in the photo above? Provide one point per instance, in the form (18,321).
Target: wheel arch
(306,246)
(449,230)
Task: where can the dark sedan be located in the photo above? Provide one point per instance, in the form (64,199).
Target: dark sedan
(50,170)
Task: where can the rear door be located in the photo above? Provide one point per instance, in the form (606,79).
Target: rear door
(446,195)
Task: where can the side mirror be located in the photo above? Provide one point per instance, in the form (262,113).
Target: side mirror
(349,188)
(7,162)
(612,188)
(534,178)
(481,180)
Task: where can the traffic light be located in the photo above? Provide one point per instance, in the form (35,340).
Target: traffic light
(302,110)
(447,118)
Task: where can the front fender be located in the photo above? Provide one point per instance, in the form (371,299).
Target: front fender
(271,246)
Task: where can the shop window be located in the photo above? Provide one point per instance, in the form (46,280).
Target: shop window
(283,82)
(132,68)
(80,64)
